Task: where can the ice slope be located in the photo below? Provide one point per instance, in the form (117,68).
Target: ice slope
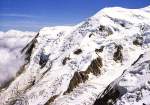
(46,79)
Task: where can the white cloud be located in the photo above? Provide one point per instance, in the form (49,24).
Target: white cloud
(11,42)
(17,15)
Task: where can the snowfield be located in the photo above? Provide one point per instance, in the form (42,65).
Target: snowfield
(82,64)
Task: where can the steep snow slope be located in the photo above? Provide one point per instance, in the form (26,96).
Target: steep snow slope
(11,42)
(132,87)
(136,82)
(73,65)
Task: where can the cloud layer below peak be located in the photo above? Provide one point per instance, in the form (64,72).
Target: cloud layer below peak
(11,42)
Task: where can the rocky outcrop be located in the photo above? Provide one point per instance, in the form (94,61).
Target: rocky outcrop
(95,66)
(43,59)
(118,56)
(78,51)
(138,41)
(102,28)
(78,77)
(29,47)
(65,60)
(137,59)
(82,76)
(100,49)
(108,97)
(51,100)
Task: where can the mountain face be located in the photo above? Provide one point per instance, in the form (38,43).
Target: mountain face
(104,60)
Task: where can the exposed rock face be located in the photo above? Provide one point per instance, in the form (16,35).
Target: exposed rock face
(65,60)
(105,29)
(81,77)
(29,47)
(118,56)
(66,66)
(51,99)
(78,51)
(100,49)
(109,96)
(138,41)
(95,66)
(137,59)
(43,60)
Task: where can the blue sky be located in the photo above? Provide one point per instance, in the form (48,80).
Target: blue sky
(34,14)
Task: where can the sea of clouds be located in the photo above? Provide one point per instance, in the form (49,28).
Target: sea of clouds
(11,43)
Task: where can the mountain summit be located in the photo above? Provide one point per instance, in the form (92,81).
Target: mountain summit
(104,60)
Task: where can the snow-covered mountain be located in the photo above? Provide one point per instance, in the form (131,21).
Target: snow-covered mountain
(101,61)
